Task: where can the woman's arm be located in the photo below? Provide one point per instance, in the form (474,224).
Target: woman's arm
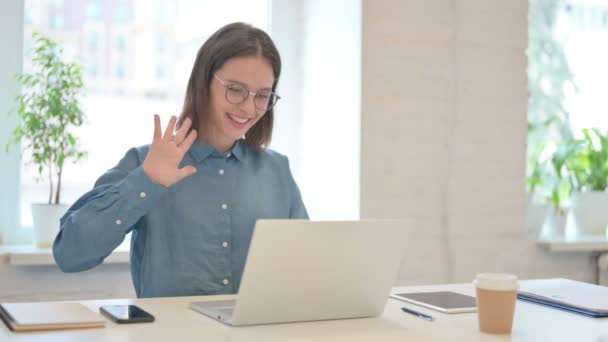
(98,222)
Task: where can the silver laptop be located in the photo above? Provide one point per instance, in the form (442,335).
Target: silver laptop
(300,270)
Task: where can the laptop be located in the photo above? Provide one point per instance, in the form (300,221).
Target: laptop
(566,294)
(300,270)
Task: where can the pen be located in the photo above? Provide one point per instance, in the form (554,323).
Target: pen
(419,314)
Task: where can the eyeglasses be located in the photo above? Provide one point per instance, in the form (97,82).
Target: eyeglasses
(263,100)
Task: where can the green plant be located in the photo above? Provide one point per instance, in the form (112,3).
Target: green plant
(580,165)
(536,168)
(545,180)
(586,161)
(560,188)
(49,109)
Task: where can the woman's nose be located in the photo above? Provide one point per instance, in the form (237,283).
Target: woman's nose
(248,106)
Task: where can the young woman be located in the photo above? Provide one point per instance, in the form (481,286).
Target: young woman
(192,197)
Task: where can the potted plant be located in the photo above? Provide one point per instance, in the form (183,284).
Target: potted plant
(548,182)
(49,110)
(586,162)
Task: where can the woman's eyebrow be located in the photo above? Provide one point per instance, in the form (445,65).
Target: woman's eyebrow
(245,85)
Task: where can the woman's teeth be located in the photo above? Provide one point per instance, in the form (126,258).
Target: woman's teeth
(239,120)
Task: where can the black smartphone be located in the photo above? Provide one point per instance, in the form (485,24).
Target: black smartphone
(126,314)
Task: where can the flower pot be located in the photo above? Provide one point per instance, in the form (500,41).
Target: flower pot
(554,225)
(46,222)
(590,212)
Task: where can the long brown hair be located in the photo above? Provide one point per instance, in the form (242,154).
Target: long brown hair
(232,40)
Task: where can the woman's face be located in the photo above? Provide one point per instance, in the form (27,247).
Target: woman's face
(228,121)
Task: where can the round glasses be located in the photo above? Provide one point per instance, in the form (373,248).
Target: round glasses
(263,100)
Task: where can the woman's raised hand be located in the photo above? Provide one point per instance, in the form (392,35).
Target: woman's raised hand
(167,152)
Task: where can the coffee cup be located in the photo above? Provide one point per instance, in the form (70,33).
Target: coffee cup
(496,298)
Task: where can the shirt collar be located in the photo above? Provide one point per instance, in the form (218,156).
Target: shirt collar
(239,150)
(201,151)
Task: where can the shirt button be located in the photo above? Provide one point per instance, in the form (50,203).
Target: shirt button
(118,222)
(228,155)
(224,206)
(221,171)
(225,282)
(142,194)
(225,244)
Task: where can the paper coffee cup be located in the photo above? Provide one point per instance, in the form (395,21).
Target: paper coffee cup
(496,298)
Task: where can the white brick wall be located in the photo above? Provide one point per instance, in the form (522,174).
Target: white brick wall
(443,133)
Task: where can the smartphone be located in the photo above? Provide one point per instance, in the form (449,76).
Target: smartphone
(126,314)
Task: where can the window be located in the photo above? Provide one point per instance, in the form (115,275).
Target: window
(121,14)
(161,43)
(160,72)
(120,71)
(93,41)
(121,43)
(57,22)
(568,50)
(582,29)
(93,10)
(92,69)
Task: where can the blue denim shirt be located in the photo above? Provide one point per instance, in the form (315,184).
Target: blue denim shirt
(189,239)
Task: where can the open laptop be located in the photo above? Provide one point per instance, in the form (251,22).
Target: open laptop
(574,296)
(300,270)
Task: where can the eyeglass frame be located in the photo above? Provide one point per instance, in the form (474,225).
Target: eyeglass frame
(249,92)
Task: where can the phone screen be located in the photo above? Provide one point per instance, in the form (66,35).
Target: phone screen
(127,313)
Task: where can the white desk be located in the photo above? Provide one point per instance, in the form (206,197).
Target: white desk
(176,322)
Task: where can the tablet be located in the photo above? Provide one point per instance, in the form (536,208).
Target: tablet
(443,301)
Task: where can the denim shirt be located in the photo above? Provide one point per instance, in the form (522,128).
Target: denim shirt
(188,239)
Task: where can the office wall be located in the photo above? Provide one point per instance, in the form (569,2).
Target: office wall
(443,134)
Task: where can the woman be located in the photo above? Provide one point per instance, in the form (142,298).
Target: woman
(191,198)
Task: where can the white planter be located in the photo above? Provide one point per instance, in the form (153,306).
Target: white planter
(554,225)
(590,212)
(46,222)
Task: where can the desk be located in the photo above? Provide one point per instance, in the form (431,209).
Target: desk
(175,322)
